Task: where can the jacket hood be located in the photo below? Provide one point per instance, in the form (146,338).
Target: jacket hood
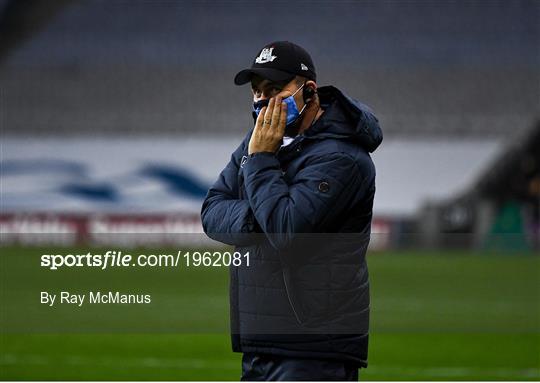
(345,117)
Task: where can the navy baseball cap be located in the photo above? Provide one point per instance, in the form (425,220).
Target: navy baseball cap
(279,61)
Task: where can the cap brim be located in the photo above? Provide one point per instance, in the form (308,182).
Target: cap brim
(245,76)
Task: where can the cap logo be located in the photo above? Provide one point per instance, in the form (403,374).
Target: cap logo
(303,66)
(265,56)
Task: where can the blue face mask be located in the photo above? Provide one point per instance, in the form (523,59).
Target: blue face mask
(292,110)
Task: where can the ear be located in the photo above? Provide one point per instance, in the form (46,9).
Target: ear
(310,90)
(311,84)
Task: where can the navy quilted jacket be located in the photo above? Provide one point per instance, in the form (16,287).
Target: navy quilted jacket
(304,216)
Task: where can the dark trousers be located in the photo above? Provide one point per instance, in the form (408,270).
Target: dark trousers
(262,367)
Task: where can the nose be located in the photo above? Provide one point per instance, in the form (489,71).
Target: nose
(259,98)
(262,102)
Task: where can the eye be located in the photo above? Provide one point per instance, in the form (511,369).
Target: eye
(274,90)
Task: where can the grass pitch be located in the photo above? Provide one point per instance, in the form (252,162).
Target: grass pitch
(435,316)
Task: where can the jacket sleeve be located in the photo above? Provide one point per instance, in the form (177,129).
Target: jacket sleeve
(225,217)
(322,191)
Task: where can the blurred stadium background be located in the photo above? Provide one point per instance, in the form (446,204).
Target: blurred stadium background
(116,116)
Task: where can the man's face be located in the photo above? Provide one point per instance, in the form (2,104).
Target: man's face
(263,89)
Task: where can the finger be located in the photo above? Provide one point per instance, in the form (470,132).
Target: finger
(285,94)
(276,113)
(260,117)
(268,114)
(282,118)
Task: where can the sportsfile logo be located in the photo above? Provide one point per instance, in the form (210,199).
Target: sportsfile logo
(113,258)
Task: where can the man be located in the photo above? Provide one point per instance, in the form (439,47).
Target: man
(297,195)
